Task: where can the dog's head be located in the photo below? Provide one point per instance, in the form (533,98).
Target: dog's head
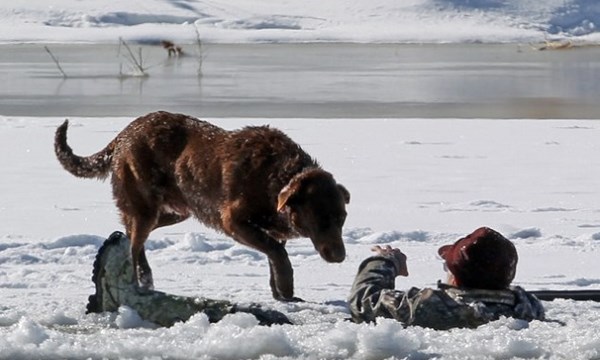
(316,207)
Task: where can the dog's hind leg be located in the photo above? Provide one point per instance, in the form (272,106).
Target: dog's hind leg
(140,231)
(137,200)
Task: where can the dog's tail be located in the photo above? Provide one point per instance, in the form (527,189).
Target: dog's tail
(93,166)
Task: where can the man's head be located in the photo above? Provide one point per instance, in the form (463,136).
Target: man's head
(483,259)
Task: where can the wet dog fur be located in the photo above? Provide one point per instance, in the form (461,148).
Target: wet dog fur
(254,184)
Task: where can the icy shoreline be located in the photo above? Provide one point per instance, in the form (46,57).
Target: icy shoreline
(260,21)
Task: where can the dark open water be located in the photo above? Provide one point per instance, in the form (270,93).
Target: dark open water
(306,80)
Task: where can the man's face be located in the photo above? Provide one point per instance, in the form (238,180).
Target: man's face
(450,280)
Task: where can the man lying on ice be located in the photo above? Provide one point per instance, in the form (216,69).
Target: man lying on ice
(480,268)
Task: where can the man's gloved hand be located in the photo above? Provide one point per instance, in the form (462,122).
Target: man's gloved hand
(395,255)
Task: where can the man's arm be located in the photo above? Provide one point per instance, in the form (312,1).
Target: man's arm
(373,293)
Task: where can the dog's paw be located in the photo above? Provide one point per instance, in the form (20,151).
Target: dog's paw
(145,279)
(145,286)
(292,299)
(144,289)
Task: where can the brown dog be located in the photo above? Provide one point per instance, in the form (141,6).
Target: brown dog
(254,184)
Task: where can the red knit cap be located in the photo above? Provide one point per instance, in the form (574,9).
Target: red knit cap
(483,259)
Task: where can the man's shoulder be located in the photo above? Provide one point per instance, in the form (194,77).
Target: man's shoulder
(486,296)
(446,307)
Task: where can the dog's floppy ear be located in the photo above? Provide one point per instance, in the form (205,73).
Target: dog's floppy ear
(345,193)
(292,188)
(285,194)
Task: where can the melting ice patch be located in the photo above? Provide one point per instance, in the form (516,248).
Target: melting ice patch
(392,236)
(75,241)
(277,22)
(478,205)
(526,234)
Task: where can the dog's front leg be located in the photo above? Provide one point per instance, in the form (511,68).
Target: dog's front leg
(280,267)
(281,272)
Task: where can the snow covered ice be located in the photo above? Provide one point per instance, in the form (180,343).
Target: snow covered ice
(415,183)
(424,190)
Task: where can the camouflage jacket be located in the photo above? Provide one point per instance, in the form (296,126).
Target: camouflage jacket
(446,307)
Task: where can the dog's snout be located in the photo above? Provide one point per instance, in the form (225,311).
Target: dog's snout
(333,255)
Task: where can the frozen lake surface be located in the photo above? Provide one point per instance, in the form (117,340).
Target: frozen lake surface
(415,183)
(305,81)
